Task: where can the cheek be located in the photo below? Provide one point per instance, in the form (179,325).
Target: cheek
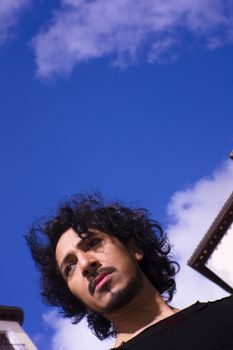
(79,293)
(77,287)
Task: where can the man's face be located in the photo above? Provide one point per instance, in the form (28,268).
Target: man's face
(99,270)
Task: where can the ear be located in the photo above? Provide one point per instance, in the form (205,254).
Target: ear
(137,252)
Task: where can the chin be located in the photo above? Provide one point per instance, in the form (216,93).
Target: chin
(120,297)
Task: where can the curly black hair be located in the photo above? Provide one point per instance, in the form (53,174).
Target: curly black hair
(82,212)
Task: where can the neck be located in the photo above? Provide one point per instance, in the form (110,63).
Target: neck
(146,309)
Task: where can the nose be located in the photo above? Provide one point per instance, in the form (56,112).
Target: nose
(87,263)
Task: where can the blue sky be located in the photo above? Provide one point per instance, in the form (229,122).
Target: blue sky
(134,99)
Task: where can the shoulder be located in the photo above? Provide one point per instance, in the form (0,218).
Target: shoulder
(222,308)
(222,303)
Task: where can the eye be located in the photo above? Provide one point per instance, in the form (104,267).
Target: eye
(69,269)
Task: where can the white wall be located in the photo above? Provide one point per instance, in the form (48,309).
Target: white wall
(16,334)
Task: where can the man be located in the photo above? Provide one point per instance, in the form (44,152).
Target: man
(111,264)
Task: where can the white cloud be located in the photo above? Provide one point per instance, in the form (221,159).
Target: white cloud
(192,211)
(82,30)
(9,14)
(73,337)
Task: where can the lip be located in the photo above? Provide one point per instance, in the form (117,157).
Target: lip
(101,280)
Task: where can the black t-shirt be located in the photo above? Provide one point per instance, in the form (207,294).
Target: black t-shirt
(202,326)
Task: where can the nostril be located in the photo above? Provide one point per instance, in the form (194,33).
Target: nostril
(93,264)
(89,270)
(85,273)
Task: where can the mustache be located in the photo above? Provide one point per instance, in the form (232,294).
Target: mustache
(98,272)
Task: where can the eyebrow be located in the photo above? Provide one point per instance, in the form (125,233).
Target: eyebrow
(85,236)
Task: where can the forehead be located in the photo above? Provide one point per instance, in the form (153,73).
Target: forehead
(70,240)
(68,237)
